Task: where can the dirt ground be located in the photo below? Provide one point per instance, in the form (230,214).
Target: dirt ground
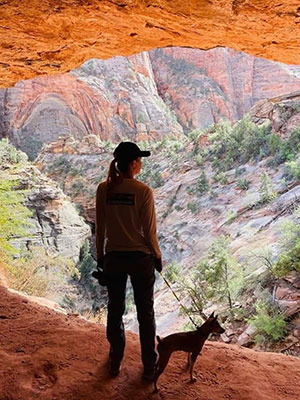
(47,355)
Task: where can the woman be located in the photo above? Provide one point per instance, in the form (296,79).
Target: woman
(127,245)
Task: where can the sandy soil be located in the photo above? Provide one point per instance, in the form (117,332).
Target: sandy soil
(46,355)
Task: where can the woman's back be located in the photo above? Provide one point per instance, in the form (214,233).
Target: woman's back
(129,217)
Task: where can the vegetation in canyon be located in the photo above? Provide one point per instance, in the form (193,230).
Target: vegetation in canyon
(219,157)
(29,268)
(222,193)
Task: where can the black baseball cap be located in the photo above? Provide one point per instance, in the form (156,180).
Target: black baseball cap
(129,151)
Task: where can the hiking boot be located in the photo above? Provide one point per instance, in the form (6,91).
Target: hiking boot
(148,375)
(114,368)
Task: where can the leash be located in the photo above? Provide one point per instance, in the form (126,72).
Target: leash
(177,298)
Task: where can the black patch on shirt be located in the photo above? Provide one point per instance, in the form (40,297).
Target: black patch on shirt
(124,199)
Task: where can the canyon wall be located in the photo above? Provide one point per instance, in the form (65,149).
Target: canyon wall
(145,96)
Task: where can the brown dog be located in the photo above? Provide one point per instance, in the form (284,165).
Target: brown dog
(191,342)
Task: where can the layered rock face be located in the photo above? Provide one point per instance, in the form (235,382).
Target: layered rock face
(49,37)
(204,86)
(55,223)
(146,96)
(282,111)
(113,99)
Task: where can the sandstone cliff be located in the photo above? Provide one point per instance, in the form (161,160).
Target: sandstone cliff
(146,96)
(204,86)
(54,223)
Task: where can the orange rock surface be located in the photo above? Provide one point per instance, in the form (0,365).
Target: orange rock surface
(46,356)
(50,36)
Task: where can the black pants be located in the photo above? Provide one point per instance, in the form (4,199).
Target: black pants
(140,267)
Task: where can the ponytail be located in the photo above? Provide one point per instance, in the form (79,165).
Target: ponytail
(116,172)
(114,176)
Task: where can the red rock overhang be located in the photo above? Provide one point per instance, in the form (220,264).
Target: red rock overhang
(53,36)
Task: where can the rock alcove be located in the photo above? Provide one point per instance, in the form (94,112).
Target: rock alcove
(55,36)
(42,359)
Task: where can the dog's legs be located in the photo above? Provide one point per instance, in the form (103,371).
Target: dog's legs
(193,358)
(189,359)
(160,367)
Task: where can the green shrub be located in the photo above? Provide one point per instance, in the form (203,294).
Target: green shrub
(291,146)
(231,216)
(266,189)
(129,306)
(212,194)
(292,169)
(221,178)
(269,323)
(37,273)
(157,179)
(85,266)
(60,165)
(10,155)
(172,271)
(223,274)
(290,231)
(202,184)
(287,149)
(238,143)
(194,135)
(243,184)
(198,160)
(288,262)
(100,177)
(14,216)
(77,188)
(216,279)
(193,207)
(216,164)
(274,143)
(151,174)
(253,139)
(75,171)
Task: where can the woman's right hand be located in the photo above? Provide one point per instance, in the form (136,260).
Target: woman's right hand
(158,264)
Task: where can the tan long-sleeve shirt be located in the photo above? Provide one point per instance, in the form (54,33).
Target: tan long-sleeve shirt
(125,219)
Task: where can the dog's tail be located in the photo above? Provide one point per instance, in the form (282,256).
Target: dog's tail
(158,339)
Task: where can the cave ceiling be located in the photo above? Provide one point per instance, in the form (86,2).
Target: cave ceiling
(41,37)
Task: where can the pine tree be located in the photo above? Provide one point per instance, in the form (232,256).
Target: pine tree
(218,278)
(202,183)
(223,274)
(266,189)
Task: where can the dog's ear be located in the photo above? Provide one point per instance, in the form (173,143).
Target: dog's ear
(212,315)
